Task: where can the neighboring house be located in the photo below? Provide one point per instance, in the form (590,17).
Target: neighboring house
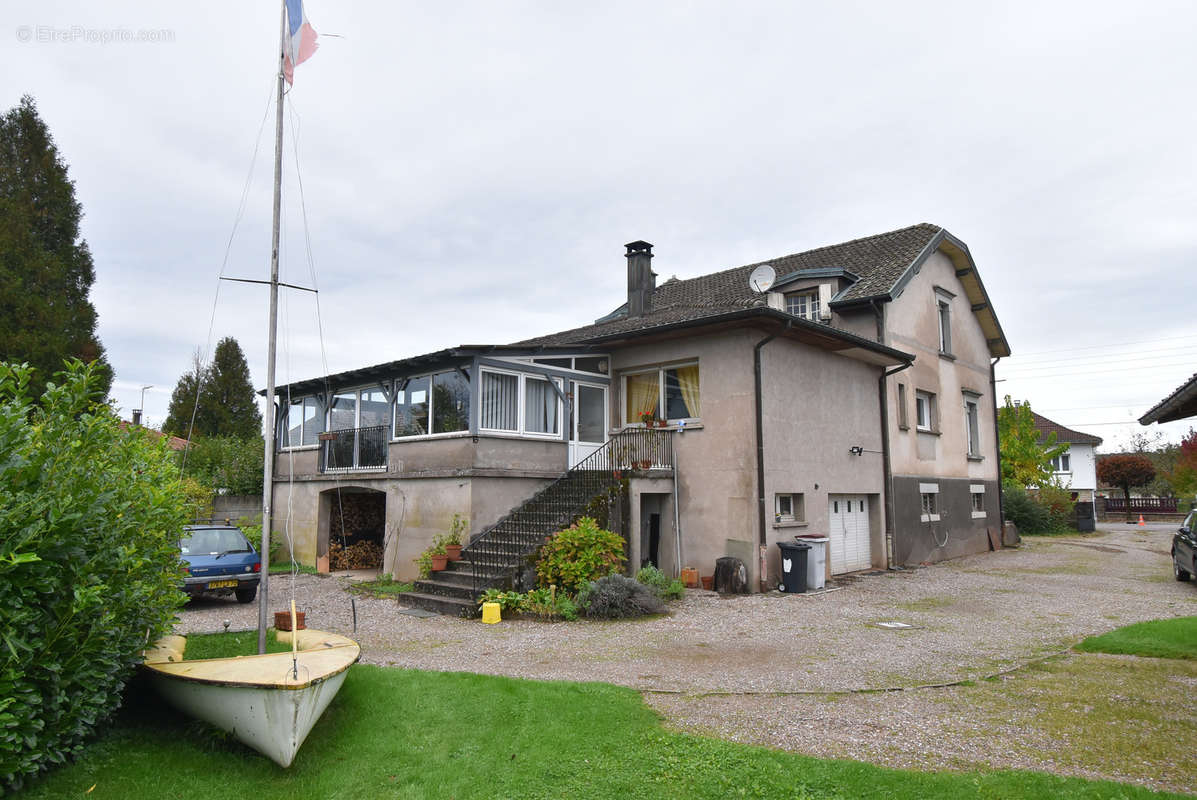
(173,442)
(853,399)
(1076,467)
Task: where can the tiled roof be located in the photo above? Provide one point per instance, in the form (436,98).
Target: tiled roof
(173,442)
(879,261)
(1046,426)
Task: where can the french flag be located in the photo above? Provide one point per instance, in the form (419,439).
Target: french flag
(300,42)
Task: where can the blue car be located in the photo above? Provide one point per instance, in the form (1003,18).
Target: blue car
(219,559)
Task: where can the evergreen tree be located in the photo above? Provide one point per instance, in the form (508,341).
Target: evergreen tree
(226,404)
(46,269)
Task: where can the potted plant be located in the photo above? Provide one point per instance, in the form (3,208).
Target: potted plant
(648,418)
(452,540)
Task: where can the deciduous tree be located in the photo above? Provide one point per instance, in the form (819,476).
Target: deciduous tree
(1026,460)
(1125,470)
(46,269)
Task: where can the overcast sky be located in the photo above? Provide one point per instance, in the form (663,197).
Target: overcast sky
(472,170)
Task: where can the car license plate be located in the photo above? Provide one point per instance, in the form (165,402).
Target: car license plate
(222,584)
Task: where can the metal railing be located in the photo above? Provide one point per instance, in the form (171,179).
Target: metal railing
(354,449)
(498,554)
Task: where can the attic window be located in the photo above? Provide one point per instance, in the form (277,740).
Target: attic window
(803,304)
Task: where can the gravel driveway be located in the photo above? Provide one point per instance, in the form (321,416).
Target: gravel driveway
(715,665)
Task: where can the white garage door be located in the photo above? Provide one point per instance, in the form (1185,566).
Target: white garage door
(850,539)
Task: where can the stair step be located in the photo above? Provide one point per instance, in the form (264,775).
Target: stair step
(442,588)
(440,604)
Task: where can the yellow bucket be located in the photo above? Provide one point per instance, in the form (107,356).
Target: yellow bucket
(490,613)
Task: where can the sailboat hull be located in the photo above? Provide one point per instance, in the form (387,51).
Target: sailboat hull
(267,701)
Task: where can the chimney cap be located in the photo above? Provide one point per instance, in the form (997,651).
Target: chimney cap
(639,246)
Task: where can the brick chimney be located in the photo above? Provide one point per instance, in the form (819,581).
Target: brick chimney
(641,278)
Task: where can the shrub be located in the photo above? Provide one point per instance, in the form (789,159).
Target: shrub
(579,554)
(90,518)
(1043,514)
(509,602)
(617,596)
(664,587)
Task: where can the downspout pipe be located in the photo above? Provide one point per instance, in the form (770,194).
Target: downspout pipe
(760,456)
(886,470)
(997,444)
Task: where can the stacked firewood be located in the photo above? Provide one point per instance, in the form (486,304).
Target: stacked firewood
(360,555)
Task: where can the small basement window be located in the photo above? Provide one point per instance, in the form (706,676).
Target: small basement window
(929,493)
(789,508)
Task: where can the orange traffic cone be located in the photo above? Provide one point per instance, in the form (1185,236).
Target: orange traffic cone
(1141,523)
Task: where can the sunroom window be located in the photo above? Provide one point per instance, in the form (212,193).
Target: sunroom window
(670,393)
(437,403)
(302,423)
(506,395)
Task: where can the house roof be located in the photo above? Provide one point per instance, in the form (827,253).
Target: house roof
(447,358)
(173,442)
(884,263)
(1046,426)
(1181,404)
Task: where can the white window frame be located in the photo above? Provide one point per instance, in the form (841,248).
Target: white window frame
(929,490)
(357,405)
(660,371)
(431,407)
(797,507)
(521,404)
(1062,463)
(903,420)
(811,310)
(928,403)
(978,490)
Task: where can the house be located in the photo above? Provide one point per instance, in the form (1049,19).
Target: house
(1076,467)
(852,398)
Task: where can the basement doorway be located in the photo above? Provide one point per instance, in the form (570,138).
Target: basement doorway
(356,527)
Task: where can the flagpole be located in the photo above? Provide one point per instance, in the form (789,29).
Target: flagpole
(271,425)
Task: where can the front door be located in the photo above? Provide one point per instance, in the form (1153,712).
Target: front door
(588,423)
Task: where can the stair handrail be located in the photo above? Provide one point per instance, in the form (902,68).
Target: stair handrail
(627,450)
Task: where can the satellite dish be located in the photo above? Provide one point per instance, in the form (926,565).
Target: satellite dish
(762,278)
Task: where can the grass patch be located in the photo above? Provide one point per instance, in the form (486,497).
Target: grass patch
(1092,713)
(927,604)
(1161,638)
(395,733)
(227,645)
(277,567)
(383,586)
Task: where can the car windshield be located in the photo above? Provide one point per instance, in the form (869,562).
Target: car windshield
(211,541)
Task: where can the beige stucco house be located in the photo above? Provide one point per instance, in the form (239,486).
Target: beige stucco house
(851,398)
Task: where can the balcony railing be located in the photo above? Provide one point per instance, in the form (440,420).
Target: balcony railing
(354,449)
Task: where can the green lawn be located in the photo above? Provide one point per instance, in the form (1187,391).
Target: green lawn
(384,587)
(395,733)
(1161,638)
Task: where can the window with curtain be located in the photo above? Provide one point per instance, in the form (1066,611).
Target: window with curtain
(674,389)
(540,406)
(500,401)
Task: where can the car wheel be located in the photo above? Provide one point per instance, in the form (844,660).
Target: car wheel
(247,595)
(1181,574)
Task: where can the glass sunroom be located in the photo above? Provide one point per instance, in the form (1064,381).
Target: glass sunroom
(354,419)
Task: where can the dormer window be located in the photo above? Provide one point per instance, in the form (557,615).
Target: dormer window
(804,304)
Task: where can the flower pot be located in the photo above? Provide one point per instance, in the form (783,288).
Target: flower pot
(282,620)
(453,552)
(690,578)
(708,582)
(439,562)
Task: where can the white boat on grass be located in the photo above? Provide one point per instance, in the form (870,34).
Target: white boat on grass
(270,702)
